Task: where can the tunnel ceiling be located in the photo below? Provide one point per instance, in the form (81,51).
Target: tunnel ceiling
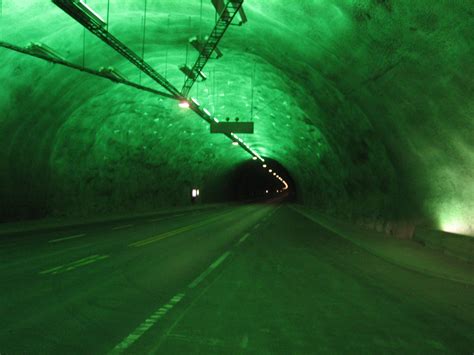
(367,103)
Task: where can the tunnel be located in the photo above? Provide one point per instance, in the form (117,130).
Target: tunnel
(359,164)
(251,182)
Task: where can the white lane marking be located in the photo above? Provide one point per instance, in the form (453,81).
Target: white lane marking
(147,324)
(256,226)
(122,227)
(211,267)
(73,265)
(243,238)
(245,342)
(67,238)
(165,218)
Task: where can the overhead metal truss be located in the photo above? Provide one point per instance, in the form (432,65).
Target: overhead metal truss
(95,24)
(78,10)
(103,73)
(226,16)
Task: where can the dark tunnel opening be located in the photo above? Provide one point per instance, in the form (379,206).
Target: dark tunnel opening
(254,181)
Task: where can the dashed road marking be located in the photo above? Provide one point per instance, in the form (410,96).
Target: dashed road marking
(74,265)
(245,342)
(147,324)
(122,227)
(177,231)
(243,238)
(211,267)
(165,218)
(67,238)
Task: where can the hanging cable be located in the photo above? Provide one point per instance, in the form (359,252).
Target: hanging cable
(167,48)
(108,13)
(214,87)
(84,45)
(253,90)
(84,48)
(200,24)
(143,38)
(199,39)
(187,47)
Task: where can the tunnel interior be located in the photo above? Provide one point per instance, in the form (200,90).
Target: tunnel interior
(253,181)
(366,103)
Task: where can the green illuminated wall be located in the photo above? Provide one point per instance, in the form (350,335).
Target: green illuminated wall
(368,104)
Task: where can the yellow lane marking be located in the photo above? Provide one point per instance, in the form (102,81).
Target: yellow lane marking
(122,227)
(66,238)
(162,236)
(74,265)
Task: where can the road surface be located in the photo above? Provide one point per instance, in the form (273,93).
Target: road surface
(255,279)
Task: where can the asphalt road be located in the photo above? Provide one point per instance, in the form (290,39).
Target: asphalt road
(256,279)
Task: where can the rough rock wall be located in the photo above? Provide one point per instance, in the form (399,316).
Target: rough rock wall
(367,103)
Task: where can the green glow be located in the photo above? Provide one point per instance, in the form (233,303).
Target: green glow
(364,104)
(455,219)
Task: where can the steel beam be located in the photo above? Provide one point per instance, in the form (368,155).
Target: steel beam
(98,28)
(226,16)
(98,73)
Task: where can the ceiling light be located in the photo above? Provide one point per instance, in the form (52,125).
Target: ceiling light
(184,104)
(235,143)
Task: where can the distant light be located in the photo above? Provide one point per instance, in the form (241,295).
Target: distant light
(216,120)
(206,111)
(195,193)
(184,104)
(196,102)
(264,165)
(274,174)
(235,143)
(270,170)
(254,158)
(266,191)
